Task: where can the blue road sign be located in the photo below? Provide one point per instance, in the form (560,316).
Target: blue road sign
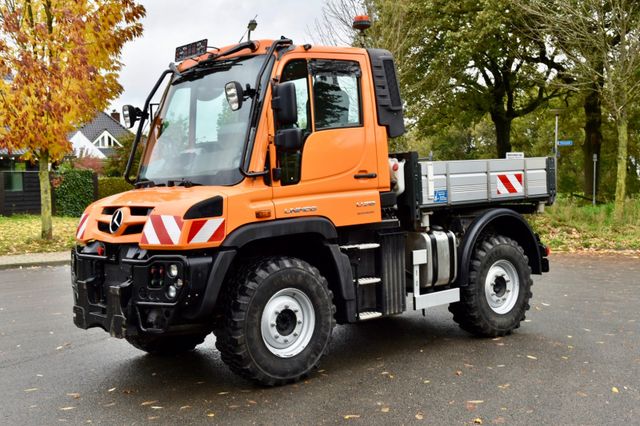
(565,143)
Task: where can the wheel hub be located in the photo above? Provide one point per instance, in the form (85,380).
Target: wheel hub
(502,286)
(287,323)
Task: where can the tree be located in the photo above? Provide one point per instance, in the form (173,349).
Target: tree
(601,41)
(458,61)
(60,62)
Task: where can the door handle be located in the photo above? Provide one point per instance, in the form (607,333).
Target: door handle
(365,176)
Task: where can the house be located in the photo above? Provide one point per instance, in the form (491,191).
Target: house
(100,137)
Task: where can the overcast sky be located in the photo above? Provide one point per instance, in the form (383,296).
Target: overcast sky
(171,23)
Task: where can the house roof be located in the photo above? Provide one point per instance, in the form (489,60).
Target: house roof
(15,152)
(99,124)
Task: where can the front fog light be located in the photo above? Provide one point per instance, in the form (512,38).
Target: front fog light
(173,270)
(172,292)
(178,284)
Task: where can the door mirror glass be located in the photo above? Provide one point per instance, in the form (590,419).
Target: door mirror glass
(284,104)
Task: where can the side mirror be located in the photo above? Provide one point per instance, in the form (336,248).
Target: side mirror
(130,115)
(289,139)
(284,104)
(235,95)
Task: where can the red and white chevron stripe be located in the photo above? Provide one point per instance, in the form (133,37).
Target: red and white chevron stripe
(82,225)
(162,229)
(509,183)
(206,231)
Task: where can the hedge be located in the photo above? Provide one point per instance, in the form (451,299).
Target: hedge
(112,185)
(73,191)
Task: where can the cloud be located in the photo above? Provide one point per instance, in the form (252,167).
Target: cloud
(171,23)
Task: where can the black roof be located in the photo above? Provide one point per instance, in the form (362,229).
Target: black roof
(99,124)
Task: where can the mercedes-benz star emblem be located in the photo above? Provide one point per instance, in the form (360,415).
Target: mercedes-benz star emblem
(116,221)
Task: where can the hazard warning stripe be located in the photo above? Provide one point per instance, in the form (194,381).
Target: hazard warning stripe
(509,183)
(162,229)
(82,226)
(206,231)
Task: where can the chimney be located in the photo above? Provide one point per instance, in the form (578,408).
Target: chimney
(115,115)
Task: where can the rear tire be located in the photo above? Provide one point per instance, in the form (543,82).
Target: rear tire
(166,345)
(497,296)
(278,321)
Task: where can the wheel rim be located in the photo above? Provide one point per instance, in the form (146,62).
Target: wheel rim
(501,287)
(287,323)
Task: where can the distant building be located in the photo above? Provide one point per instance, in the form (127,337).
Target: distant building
(100,137)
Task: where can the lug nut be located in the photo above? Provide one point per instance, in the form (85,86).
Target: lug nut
(276,337)
(286,340)
(295,334)
(286,306)
(273,325)
(299,322)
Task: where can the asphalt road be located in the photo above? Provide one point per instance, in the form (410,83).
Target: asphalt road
(575,361)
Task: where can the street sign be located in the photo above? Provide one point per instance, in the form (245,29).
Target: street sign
(515,155)
(565,143)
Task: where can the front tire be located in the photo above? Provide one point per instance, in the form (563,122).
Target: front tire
(278,321)
(497,296)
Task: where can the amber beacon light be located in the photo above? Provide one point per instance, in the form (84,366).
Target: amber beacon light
(361,23)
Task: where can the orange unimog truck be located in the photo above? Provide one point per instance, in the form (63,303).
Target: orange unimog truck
(267,209)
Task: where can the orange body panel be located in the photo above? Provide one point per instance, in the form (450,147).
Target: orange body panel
(327,188)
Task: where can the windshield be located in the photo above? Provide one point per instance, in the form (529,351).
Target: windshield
(197,137)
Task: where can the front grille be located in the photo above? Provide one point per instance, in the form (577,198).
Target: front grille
(133,229)
(135,211)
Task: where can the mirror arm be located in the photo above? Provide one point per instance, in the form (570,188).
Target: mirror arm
(143,117)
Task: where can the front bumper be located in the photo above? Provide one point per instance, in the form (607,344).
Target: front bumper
(122,292)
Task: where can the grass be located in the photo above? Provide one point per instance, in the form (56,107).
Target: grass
(20,234)
(570,225)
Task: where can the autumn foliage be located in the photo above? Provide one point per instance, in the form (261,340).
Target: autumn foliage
(59,64)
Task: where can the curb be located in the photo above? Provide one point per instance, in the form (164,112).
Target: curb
(33,264)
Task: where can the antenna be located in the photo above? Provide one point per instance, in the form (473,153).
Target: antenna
(253,24)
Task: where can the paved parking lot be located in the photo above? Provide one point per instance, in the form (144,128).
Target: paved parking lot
(575,361)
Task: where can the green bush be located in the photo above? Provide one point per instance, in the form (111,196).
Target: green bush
(73,191)
(112,185)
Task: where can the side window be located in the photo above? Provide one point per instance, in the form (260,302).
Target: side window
(296,72)
(336,94)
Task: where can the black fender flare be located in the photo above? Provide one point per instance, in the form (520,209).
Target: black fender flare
(265,230)
(510,224)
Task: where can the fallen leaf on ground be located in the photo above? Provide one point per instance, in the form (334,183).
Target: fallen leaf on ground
(31,390)
(185,407)
(477,421)
(74,395)
(385,409)
(458,373)
(351,416)
(531,357)
(211,414)
(581,394)
(419,416)
(615,390)
(475,401)
(148,403)
(222,393)
(506,385)
(67,408)
(157,407)
(111,390)
(153,417)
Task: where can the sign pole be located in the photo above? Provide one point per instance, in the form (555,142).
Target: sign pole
(595,161)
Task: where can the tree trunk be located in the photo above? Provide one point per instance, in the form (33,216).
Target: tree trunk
(45,196)
(593,139)
(621,176)
(503,134)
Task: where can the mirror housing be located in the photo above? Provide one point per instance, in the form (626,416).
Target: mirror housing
(130,115)
(284,104)
(289,139)
(235,95)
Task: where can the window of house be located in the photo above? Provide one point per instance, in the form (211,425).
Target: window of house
(14,176)
(105,141)
(336,94)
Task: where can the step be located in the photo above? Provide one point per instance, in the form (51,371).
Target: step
(368,280)
(363,316)
(364,246)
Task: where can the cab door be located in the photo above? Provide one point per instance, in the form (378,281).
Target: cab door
(335,173)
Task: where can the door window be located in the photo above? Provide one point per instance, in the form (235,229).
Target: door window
(336,94)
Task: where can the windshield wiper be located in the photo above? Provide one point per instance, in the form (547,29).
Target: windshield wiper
(206,67)
(182,182)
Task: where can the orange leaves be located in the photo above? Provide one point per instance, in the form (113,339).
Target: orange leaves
(63,61)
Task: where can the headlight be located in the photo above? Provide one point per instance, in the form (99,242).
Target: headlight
(172,292)
(172,271)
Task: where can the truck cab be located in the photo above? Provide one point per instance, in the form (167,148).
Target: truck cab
(267,208)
